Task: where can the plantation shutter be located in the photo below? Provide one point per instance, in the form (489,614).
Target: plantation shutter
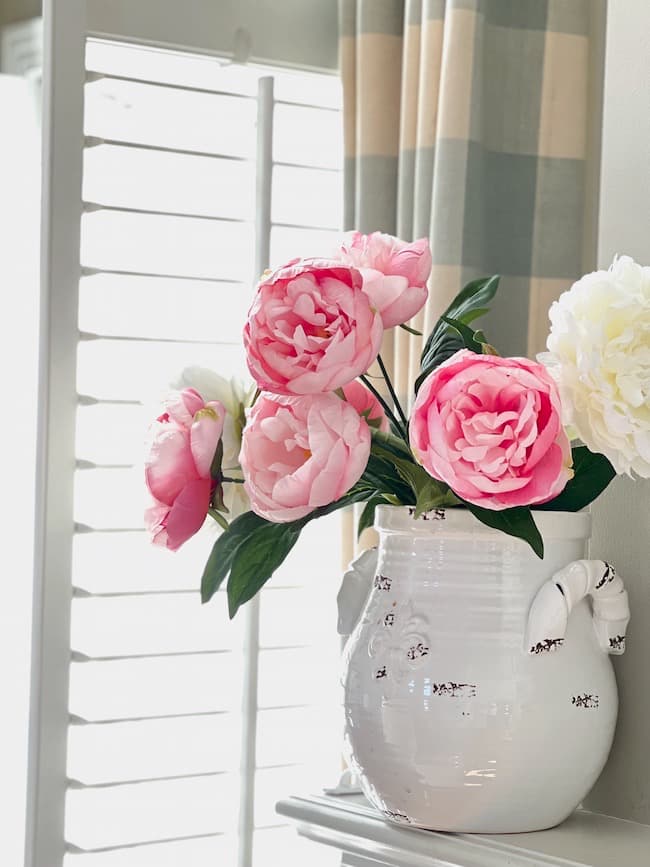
(161,732)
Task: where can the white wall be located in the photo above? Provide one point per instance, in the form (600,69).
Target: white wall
(19,257)
(622,516)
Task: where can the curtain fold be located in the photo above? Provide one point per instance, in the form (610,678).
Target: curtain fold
(466,122)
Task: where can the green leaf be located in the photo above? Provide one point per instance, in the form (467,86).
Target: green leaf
(413,474)
(367,517)
(248,534)
(470,300)
(223,552)
(434,496)
(467,334)
(380,476)
(429,492)
(592,474)
(443,341)
(391,443)
(426,492)
(255,562)
(517,522)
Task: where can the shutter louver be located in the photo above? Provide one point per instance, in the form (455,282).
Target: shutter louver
(157,772)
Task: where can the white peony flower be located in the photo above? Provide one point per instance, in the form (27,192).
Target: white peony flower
(599,354)
(236,397)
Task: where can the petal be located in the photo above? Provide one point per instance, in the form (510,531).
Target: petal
(410,302)
(181,405)
(326,485)
(382,290)
(188,512)
(205,434)
(413,261)
(169,464)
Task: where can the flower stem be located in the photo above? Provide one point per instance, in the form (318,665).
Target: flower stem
(219,518)
(398,406)
(233,481)
(386,408)
(411,330)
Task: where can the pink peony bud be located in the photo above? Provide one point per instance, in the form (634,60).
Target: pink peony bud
(394,273)
(182,444)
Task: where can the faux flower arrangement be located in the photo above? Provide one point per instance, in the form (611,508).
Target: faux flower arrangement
(485,433)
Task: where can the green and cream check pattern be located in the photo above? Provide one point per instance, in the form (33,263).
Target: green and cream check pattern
(466,121)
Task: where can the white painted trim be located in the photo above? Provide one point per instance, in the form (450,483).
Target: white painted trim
(350,824)
(622,515)
(251,613)
(624,220)
(61,215)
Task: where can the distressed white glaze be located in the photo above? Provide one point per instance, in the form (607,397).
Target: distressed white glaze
(354,590)
(549,613)
(451,723)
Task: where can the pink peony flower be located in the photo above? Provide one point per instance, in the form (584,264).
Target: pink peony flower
(491,429)
(300,453)
(310,328)
(394,273)
(366,404)
(182,444)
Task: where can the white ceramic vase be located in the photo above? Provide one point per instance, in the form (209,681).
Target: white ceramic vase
(479,695)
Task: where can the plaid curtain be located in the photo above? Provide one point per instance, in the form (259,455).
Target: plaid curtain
(467,122)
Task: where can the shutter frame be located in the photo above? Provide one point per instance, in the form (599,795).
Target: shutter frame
(66,31)
(64,40)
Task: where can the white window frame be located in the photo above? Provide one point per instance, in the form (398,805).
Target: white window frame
(204,26)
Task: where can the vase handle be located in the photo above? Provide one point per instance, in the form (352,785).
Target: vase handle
(355,589)
(549,614)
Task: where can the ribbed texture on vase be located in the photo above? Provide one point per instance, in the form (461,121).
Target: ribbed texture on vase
(448,522)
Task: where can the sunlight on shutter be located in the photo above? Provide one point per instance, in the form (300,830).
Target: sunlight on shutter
(167,251)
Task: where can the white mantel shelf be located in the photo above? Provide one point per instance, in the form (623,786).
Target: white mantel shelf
(350,824)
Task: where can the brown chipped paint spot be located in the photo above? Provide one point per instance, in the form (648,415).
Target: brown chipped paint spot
(434,515)
(417,651)
(547,646)
(586,700)
(608,575)
(617,643)
(454,690)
